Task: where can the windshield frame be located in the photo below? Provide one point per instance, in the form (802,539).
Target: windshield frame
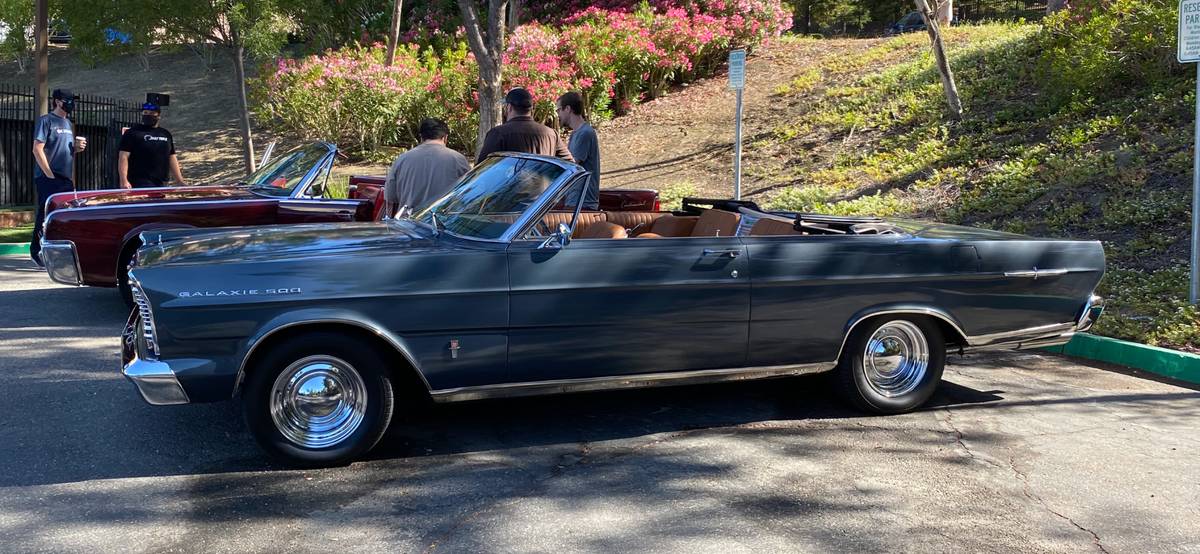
(301,189)
(570,170)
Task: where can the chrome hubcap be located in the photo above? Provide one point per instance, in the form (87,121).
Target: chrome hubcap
(896,358)
(318,402)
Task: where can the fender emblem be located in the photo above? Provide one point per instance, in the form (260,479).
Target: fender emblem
(239,292)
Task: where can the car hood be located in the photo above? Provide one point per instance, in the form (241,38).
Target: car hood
(152,196)
(279,242)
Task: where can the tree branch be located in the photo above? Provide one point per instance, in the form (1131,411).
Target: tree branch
(474,35)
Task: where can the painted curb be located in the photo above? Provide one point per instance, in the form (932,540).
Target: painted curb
(22,248)
(1161,361)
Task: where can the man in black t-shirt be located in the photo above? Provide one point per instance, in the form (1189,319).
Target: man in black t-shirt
(147,153)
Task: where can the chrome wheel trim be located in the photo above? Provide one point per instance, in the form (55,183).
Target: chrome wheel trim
(896,358)
(318,401)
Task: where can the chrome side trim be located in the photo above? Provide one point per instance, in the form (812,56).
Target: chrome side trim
(1036,273)
(673,378)
(161,204)
(250,348)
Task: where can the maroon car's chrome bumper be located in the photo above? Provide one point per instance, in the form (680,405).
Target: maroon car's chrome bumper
(62,262)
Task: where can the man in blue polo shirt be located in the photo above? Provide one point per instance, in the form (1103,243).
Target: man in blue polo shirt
(54,149)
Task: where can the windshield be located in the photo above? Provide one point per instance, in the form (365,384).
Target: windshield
(281,175)
(492,197)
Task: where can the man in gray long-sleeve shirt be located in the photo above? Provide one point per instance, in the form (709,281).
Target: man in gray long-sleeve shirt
(426,172)
(583,143)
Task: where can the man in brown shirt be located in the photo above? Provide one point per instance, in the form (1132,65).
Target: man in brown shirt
(520,133)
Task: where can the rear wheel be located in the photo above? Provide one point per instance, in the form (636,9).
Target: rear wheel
(319,399)
(892,365)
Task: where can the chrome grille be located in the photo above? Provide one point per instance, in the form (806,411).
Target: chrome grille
(147,317)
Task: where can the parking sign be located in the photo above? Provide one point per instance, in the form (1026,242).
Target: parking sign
(1189,31)
(737,67)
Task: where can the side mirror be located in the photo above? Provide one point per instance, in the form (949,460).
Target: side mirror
(559,239)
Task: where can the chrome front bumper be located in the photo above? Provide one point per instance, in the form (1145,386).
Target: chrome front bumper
(155,380)
(61,261)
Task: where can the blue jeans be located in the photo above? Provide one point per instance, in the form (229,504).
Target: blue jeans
(46,186)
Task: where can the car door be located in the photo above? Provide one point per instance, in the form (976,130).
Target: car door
(605,307)
(310,202)
(317,210)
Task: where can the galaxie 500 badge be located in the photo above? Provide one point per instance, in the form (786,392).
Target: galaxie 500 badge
(238,292)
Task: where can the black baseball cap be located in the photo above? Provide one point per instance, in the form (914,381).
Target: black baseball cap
(519,98)
(62,94)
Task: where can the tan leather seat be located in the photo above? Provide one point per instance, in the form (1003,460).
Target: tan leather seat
(602,230)
(635,222)
(673,226)
(586,219)
(716,223)
(770,226)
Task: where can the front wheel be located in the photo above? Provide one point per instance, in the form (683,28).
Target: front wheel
(892,365)
(319,399)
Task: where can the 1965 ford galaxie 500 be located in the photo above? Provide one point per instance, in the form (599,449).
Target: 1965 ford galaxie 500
(505,288)
(91,236)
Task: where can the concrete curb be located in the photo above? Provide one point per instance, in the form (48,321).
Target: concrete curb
(1161,361)
(19,248)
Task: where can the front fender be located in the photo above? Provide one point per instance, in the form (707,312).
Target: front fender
(315,317)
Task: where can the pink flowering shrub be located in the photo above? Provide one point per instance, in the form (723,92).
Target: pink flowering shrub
(614,52)
(350,97)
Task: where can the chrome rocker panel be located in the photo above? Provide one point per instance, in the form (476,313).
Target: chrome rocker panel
(1038,337)
(563,386)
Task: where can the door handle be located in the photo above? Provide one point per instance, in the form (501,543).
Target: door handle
(733,253)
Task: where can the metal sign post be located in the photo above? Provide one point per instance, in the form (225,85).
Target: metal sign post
(737,81)
(1189,52)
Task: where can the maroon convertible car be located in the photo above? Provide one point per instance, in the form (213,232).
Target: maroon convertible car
(93,235)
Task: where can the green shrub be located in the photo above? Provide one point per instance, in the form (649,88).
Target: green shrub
(1099,47)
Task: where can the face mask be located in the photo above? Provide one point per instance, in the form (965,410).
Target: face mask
(68,106)
(150,120)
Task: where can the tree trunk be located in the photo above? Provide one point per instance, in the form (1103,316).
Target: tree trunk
(514,15)
(239,67)
(939,53)
(42,40)
(393,33)
(945,12)
(1055,6)
(488,47)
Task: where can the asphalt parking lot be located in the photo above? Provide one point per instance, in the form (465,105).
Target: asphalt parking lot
(1018,453)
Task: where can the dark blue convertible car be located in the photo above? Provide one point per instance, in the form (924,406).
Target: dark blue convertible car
(505,287)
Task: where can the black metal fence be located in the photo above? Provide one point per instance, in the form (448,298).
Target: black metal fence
(1000,10)
(98,119)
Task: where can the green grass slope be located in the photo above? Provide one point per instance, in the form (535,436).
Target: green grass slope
(1033,154)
